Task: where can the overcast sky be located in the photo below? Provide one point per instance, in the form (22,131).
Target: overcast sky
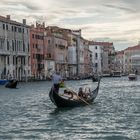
(117,21)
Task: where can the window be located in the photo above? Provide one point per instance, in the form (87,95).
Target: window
(13,60)
(49,55)
(96,65)
(6,27)
(3,26)
(8,60)
(28,47)
(24,60)
(36,46)
(8,48)
(15,29)
(19,30)
(96,55)
(13,45)
(95,47)
(12,28)
(23,47)
(32,35)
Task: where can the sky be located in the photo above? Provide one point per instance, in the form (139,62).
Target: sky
(116,21)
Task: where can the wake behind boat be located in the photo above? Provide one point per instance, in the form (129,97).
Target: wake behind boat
(75,101)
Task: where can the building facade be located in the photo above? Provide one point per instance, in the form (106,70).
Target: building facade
(97,52)
(37,44)
(131,59)
(14,49)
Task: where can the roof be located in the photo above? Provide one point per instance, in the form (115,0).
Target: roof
(137,47)
(6,20)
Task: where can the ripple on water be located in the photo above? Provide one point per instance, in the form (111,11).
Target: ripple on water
(27,112)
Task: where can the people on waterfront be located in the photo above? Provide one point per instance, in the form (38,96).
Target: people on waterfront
(56,79)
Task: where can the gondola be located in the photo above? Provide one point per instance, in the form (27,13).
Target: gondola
(11,84)
(61,101)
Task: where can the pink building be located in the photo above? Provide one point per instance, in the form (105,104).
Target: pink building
(57,49)
(37,50)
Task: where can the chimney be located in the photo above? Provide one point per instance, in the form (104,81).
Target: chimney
(24,21)
(8,17)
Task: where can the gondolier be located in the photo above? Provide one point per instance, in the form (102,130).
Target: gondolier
(56,79)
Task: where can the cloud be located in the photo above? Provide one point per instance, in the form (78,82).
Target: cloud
(115,20)
(121,8)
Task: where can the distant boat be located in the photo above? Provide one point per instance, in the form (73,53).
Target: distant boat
(116,74)
(106,75)
(132,77)
(3,81)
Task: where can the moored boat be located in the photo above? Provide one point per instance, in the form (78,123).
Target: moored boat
(3,81)
(11,84)
(132,77)
(116,74)
(61,101)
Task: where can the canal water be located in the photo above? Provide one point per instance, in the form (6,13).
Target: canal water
(28,113)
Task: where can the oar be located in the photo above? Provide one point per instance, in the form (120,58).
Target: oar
(78,96)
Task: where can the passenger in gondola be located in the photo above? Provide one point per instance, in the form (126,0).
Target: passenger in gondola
(81,93)
(56,79)
(69,93)
(87,92)
(84,94)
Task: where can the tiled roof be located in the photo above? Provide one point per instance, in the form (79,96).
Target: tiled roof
(137,47)
(5,19)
